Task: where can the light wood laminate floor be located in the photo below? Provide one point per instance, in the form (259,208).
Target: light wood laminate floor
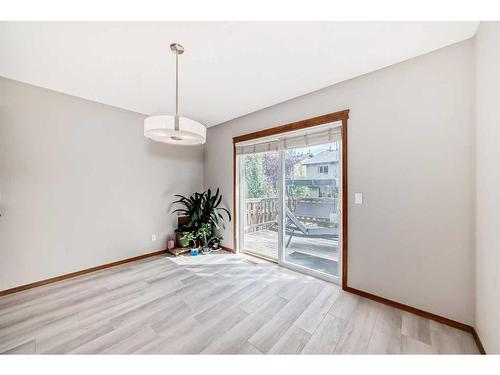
(218,303)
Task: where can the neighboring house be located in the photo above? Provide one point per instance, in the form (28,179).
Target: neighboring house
(318,169)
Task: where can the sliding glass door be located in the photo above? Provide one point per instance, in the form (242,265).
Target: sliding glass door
(289,199)
(259,204)
(312,207)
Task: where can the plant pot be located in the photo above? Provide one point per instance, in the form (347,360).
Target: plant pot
(207,250)
(194,252)
(179,241)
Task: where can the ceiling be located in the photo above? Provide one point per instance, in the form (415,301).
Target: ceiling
(229,69)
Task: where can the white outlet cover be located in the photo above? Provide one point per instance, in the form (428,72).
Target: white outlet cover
(153,237)
(358,198)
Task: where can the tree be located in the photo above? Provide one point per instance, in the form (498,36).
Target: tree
(299,192)
(292,158)
(254,176)
(261,171)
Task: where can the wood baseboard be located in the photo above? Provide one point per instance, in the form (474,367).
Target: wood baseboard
(228,249)
(422,313)
(478,341)
(413,310)
(78,273)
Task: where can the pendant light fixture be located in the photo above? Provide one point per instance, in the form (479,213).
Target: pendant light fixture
(175,129)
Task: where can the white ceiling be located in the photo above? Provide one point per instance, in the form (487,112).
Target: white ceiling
(229,69)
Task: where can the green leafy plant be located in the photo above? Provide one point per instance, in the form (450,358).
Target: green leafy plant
(203,209)
(204,233)
(201,238)
(215,241)
(190,238)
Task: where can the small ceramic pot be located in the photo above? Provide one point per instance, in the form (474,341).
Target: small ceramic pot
(170,244)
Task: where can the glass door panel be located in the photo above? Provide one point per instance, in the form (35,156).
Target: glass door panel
(289,198)
(312,222)
(258,189)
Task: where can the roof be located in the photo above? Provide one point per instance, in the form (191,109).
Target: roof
(324,157)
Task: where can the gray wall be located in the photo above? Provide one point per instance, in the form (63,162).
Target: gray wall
(411,152)
(488,185)
(80,185)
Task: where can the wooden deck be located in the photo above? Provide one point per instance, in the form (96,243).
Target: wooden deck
(315,253)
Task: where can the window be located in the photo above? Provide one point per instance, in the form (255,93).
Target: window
(323,169)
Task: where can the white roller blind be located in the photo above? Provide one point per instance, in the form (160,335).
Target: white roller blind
(254,148)
(312,139)
(292,140)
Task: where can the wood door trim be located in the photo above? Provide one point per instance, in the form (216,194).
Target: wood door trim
(345,202)
(299,125)
(342,116)
(78,273)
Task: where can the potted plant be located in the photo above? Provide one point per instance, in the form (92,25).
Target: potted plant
(191,238)
(203,210)
(215,242)
(204,234)
(180,236)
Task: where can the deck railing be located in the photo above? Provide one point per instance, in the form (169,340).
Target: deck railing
(262,213)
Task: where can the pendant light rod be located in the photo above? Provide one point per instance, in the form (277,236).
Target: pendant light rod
(176,84)
(177,49)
